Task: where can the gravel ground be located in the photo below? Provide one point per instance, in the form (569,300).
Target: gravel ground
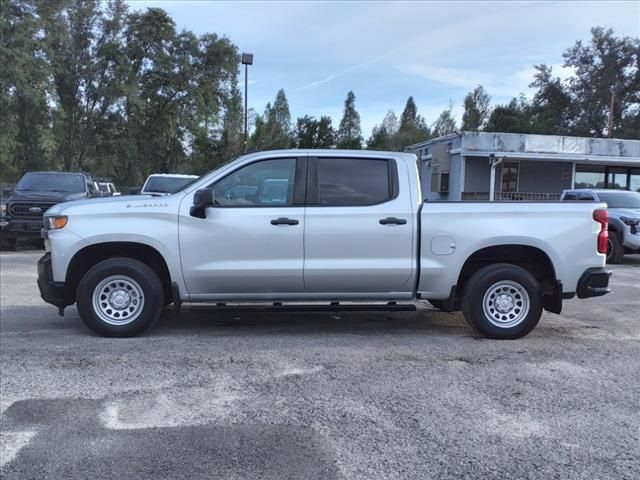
(318,395)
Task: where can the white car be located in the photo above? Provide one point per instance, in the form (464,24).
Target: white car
(165,183)
(320,226)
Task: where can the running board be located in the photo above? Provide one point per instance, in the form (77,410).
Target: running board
(279,307)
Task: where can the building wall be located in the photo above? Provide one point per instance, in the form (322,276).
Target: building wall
(476,174)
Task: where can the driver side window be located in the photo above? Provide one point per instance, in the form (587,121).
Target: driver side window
(268,183)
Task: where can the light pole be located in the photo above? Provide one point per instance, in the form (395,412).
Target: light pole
(247,59)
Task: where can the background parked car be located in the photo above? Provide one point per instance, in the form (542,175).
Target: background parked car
(624,218)
(165,183)
(36,192)
(106,187)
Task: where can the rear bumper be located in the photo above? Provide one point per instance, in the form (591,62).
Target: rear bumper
(50,291)
(594,282)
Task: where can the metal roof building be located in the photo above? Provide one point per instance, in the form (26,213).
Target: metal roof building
(513,166)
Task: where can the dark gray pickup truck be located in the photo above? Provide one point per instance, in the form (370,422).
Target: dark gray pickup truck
(22,210)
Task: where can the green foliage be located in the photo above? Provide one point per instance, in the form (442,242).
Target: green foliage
(273,130)
(511,118)
(312,133)
(444,124)
(608,63)
(391,136)
(86,84)
(580,104)
(551,110)
(349,132)
(476,109)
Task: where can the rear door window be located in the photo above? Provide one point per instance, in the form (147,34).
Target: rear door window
(354,181)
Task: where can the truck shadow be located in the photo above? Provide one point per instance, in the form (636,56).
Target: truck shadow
(355,323)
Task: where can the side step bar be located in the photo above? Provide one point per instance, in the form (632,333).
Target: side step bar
(279,307)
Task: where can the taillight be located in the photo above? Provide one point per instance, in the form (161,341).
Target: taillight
(602,217)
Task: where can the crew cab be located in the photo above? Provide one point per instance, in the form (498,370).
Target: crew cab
(36,192)
(350,226)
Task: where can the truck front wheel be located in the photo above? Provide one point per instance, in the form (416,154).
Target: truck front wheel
(502,301)
(120,297)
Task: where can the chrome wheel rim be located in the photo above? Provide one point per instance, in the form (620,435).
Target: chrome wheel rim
(118,300)
(506,304)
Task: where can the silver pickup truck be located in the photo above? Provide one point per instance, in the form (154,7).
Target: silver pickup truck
(321,227)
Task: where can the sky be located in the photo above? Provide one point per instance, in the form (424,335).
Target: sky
(386,51)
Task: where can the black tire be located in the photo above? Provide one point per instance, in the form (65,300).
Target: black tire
(615,250)
(128,268)
(497,324)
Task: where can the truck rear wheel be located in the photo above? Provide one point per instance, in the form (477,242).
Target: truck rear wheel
(502,301)
(120,297)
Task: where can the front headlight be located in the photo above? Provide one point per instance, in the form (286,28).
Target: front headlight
(3,209)
(54,222)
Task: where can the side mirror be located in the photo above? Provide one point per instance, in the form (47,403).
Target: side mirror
(201,200)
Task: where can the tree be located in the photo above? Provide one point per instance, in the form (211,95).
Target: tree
(312,133)
(409,115)
(25,137)
(608,63)
(326,135)
(71,30)
(306,132)
(379,139)
(413,128)
(258,138)
(445,124)
(510,118)
(476,109)
(278,124)
(349,131)
(551,109)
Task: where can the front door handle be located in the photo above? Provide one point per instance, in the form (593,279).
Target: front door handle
(284,221)
(392,221)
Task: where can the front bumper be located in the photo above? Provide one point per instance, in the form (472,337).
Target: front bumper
(594,282)
(50,291)
(21,228)
(631,240)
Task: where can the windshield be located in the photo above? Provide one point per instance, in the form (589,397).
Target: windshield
(51,182)
(620,199)
(166,184)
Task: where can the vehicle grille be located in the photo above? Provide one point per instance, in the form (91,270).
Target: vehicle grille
(28,209)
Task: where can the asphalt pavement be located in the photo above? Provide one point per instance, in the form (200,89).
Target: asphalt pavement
(407,395)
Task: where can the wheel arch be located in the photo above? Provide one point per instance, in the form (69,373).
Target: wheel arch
(90,255)
(531,258)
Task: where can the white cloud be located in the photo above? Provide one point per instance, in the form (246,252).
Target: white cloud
(498,84)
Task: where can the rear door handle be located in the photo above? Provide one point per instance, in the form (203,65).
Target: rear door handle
(284,221)
(392,221)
